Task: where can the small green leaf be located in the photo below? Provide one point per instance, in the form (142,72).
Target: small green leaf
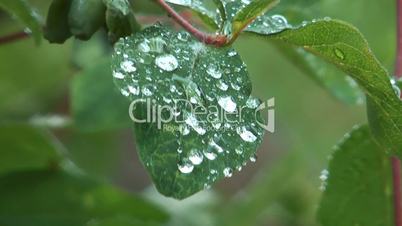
(209,16)
(175,72)
(86,17)
(95,102)
(41,198)
(221,8)
(24,147)
(57,29)
(24,12)
(357,184)
(249,13)
(344,46)
(120,19)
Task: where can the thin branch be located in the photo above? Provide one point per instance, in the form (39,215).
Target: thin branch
(13,37)
(396,163)
(209,39)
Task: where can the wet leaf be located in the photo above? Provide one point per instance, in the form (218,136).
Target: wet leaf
(357,183)
(57,29)
(120,19)
(208,15)
(197,86)
(24,12)
(86,17)
(345,47)
(96,104)
(44,198)
(24,147)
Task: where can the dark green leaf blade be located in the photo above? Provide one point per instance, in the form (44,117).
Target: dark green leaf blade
(86,17)
(175,71)
(249,13)
(45,198)
(57,29)
(344,46)
(209,16)
(26,14)
(95,102)
(358,188)
(120,19)
(24,147)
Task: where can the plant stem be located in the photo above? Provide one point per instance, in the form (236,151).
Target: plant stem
(209,39)
(13,37)
(396,163)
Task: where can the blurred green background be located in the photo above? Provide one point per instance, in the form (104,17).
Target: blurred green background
(280,189)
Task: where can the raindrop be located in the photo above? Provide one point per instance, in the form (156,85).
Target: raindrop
(146,91)
(214,72)
(124,92)
(167,62)
(193,122)
(144,47)
(228,172)
(215,146)
(246,135)
(128,66)
(134,90)
(185,167)
(195,157)
(209,154)
(238,151)
(223,86)
(252,102)
(118,75)
(339,54)
(232,53)
(253,158)
(227,104)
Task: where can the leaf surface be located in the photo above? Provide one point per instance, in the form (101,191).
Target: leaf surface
(202,90)
(358,184)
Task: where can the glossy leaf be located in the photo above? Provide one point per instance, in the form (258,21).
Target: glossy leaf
(57,29)
(24,12)
(344,46)
(249,13)
(24,147)
(357,184)
(86,17)
(95,102)
(175,72)
(120,19)
(41,198)
(209,16)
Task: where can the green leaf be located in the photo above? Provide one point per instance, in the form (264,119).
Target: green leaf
(344,46)
(340,85)
(183,77)
(120,19)
(26,14)
(95,102)
(24,147)
(44,198)
(209,16)
(358,188)
(57,29)
(86,17)
(247,14)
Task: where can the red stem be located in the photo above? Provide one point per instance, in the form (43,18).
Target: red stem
(396,163)
(13,37)
(209,39)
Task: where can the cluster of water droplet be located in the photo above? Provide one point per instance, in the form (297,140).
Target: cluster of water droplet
(168,67)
